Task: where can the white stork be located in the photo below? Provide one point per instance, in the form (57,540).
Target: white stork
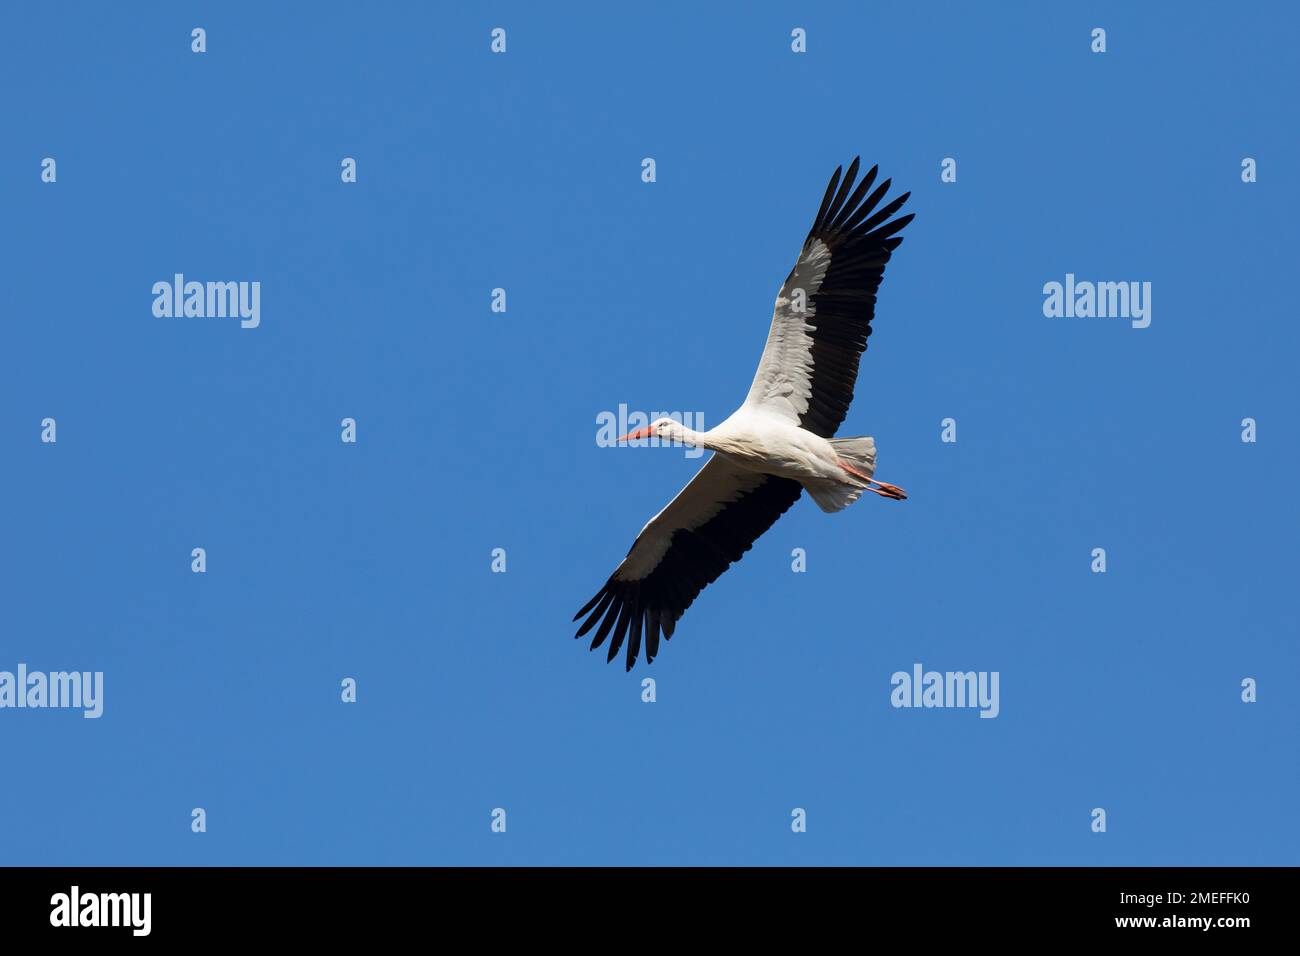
(779,441)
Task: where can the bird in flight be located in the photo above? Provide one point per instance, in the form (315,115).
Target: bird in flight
(780,441)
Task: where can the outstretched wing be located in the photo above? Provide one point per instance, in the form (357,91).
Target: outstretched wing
(823,313)
(711,523)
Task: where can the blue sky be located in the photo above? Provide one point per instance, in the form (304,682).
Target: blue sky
(476,430)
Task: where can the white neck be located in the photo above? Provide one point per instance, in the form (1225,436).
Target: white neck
(688,436)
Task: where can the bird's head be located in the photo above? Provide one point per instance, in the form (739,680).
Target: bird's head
(665,429)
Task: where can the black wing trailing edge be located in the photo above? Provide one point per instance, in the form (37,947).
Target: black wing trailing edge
(695,558)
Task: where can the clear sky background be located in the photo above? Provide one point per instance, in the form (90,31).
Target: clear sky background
(477,431)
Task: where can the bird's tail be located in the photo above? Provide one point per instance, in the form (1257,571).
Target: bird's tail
(859,453)
(833,495)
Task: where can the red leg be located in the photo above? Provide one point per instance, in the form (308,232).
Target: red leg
(884,489)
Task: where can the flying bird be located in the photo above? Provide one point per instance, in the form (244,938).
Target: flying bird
(780,441)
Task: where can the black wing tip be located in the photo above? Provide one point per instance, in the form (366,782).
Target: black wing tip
(630,663)
(618,623)
(593,602)
(842,216)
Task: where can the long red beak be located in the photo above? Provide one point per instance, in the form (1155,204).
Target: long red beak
(639,433)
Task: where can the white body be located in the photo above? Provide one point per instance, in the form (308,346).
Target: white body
(758,440)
